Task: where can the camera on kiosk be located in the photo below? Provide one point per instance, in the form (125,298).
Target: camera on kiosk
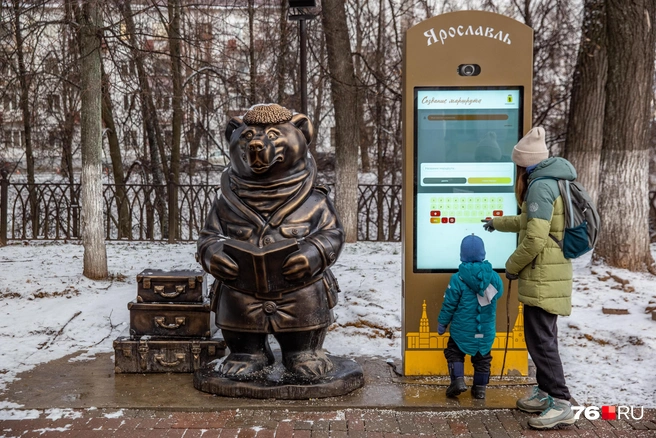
(469,69)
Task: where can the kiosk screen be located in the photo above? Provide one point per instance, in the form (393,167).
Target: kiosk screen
(463,172)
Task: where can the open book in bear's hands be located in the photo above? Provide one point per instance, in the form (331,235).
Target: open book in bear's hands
(260,269)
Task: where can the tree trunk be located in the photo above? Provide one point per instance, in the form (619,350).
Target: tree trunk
(318,107)
(71,112)
(585,127)
(176,124)
(67,133)
(252,94)
(95,253)
(347,131)
(112,136)
(378,122)
(70,108)
(360,96)
(122,207)
(281,59)
(24,102)
(158,164)
(623,194)
(193,137)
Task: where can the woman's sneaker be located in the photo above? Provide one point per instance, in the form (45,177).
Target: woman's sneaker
(558,413)
(537,401)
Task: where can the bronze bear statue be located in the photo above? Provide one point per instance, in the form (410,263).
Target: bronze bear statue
(269,240)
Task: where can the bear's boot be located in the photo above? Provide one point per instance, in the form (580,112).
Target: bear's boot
(480,383)
(303,355)
(249,353)
(457,373)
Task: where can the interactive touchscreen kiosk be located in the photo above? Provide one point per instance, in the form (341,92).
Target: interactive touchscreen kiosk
(463,140)
(466,103)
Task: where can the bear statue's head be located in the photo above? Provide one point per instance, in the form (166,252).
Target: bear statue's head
(269,142)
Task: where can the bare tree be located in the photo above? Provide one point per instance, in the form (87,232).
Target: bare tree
(116,157)
(347,130)
(319,85)
(623,193)
(175,51)
(252,66)
(26,81)
(554,54)
(358,8)
(23,79)
(63,65)
(95,254)
(585,127)
(155,141)
(282,51)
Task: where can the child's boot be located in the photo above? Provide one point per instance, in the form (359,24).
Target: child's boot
(480,383)
(457,373)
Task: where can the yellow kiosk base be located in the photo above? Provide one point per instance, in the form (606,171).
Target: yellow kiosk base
(433,363)
(424,355)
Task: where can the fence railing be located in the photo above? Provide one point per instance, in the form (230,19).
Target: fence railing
(137,212)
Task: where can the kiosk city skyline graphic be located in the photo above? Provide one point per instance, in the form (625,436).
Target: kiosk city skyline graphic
(425,349)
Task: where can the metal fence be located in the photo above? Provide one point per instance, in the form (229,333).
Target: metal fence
(138,212)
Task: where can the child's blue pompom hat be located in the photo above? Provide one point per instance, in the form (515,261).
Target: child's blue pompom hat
(472,249)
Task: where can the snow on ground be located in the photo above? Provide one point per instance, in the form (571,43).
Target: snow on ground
(610,358)
(49,310)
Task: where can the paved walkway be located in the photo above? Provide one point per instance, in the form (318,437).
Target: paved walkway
(87,399)
(286,423)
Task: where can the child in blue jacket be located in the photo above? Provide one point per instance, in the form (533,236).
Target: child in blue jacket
(470,306)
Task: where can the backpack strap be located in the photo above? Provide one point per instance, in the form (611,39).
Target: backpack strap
(558,242)
(569,202)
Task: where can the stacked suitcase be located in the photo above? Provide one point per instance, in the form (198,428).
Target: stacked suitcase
(171,325)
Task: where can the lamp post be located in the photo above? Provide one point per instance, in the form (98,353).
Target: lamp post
(298,12)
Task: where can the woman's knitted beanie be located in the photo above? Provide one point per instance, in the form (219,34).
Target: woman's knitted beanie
(531,149)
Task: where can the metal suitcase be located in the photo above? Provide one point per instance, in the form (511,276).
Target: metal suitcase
(172,320)
(158,286)
(149,354)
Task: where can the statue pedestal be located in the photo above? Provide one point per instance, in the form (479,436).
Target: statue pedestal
(276,382)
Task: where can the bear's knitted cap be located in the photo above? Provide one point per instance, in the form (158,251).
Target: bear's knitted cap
(267,114)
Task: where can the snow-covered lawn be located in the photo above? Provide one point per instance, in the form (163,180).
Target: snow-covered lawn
(49,310)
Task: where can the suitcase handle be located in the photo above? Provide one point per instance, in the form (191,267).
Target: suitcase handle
(160,322)
(179,358)
(179,289)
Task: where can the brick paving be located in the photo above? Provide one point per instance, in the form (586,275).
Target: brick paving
(287,423)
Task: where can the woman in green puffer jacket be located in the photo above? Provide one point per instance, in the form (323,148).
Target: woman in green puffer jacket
(545,275)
